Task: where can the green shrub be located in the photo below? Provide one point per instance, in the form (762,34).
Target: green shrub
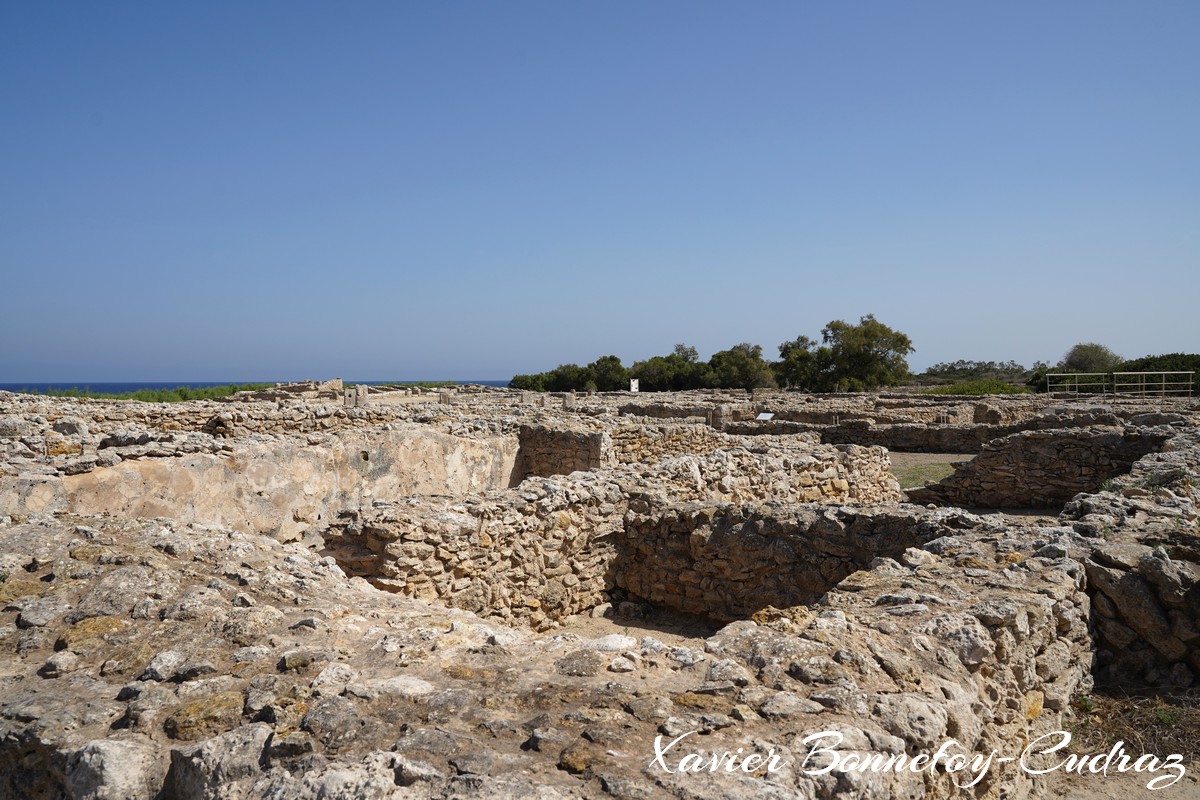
(978,388)
(175,395)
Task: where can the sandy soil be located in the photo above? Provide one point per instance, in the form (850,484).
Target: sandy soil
(674,630)
(1125,786)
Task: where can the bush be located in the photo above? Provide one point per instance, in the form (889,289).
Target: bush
(963,371)
(1171,362)
(175,395)
(978,388)
(530,383)
(1089,357)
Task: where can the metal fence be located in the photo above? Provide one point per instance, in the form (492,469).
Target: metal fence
(1077,382)
(1154,384)
(1140,384)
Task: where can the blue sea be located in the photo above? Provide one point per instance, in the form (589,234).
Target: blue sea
(134,386)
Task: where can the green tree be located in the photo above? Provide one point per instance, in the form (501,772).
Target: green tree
(530,383)
(866,355)
(851,357)
(965,370)
(566,377)
(609,374)
(690,371)
(681,369)
(1090,357)
(685,354)
(802,365)
(1170,362)
(695,375)
(741,367)
(655,374)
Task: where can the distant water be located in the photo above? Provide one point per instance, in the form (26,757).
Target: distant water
(123,388)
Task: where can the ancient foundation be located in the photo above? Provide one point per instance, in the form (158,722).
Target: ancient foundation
(290,594)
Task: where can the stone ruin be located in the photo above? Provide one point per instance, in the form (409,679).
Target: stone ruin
(288,594)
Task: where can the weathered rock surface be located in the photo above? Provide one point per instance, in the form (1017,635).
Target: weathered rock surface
(324,686)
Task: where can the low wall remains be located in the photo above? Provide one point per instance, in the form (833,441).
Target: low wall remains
(945,433)
(728,562)
(1144,570)
(547,548)
(223,419)
(646,443)
(282,486)
(560,450)
(1042,469)
(904,438)
(1147,615)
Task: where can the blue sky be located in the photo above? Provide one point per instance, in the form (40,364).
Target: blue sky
(237,191)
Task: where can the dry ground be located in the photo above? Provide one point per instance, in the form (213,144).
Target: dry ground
(672,629)
(1158,724)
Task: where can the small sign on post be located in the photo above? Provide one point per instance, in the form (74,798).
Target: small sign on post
(633,384)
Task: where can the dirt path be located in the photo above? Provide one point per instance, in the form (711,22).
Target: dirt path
(1124,786)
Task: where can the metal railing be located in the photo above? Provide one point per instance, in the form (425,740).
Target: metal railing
(1077,382)
(1156,384)
(1140,384)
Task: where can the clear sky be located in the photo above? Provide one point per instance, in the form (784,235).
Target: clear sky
(254,190)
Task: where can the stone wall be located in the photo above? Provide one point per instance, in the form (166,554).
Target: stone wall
(967,432)
(293,418)
(662,410)
(546,549)
(1042,469)
(635,444)
(830,409)
(647,443)
(226,419)
(1147,613)
(560,450)
(986,630)
(906,411)
(328,391)
(282,486)
(729,562)
(902,438)
(1144,567)
(535,555)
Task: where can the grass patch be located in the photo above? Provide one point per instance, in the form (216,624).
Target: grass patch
(921,474)
(978,388)
(1147,723)
(922,469)
(177,394)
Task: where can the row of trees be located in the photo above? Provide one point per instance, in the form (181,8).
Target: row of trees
(1085,357)
(965,370)
(847,358)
